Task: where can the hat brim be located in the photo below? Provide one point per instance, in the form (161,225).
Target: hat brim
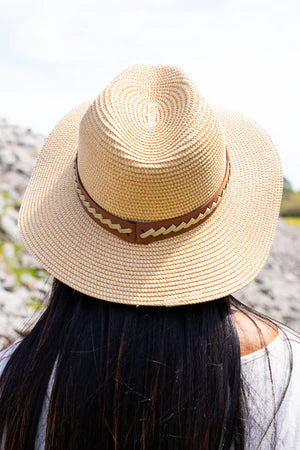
(216,258)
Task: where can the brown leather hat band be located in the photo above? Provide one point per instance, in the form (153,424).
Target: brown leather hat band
(147,232)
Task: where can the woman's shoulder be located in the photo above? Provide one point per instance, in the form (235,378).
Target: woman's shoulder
(272,376)
(253,332)
(259,337)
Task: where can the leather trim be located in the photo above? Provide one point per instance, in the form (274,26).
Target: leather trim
(147,232)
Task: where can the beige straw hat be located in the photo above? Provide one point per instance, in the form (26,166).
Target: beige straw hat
(148,195)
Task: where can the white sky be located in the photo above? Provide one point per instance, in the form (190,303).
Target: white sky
(242,54)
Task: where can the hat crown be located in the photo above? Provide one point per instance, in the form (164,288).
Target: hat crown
(150,146)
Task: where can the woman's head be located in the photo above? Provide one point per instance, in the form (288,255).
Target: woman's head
(149,195)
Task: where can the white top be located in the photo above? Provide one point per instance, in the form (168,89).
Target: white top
(261,406)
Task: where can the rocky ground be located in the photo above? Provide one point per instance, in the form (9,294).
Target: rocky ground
(22,282)
(276,288)
(24,285)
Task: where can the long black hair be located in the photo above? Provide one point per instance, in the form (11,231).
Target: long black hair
(127,377)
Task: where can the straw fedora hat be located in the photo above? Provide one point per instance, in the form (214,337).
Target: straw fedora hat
(149,195)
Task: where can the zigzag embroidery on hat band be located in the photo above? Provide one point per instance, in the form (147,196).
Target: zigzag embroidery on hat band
(132,232)
(108,222)
(192,221)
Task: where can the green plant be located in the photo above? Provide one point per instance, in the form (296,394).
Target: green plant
(293,220)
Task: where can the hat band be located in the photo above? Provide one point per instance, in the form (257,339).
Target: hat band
(147,232)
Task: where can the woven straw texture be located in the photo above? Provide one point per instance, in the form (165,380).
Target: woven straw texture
(150,148)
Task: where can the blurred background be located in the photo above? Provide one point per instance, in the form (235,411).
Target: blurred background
(242,54)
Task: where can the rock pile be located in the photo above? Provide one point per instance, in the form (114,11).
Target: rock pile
(276,289)
(24,285)
(22,282)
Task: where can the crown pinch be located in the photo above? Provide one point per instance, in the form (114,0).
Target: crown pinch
(147,232)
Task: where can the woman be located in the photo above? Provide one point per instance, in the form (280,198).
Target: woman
(149,208)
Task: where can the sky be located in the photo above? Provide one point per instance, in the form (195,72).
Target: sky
(242,54)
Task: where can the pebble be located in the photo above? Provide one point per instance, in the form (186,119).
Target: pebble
(9,227)
(8,250)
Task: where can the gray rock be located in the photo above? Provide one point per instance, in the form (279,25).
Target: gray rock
(12,302)
(8,283)
(10,228)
